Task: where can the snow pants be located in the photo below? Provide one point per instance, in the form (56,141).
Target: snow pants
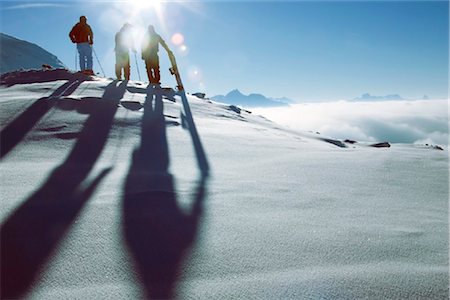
(122,62)
(85,54)
(152,66)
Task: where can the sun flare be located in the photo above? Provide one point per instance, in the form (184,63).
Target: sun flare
(144,4)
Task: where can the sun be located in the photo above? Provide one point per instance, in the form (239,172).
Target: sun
(144,4)
(139,8)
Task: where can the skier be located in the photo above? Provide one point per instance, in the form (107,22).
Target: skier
(124,43)
(82,35)
(150,48)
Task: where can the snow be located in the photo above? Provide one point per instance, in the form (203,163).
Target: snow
(17,54)
(102,202)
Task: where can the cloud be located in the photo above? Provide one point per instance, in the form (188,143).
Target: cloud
(35,5)
(423,121)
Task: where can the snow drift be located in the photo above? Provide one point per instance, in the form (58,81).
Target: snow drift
(101,201)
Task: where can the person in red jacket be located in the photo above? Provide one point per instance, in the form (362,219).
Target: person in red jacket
(82,35)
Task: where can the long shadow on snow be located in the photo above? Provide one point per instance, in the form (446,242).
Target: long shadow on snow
(32,232)
(158,233)
(15,131)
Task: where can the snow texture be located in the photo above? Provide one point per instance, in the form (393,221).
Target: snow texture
(104,202)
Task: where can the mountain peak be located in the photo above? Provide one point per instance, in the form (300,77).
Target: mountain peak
(235,97)
(235,93)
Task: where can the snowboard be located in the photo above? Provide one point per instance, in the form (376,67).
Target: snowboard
(174,71)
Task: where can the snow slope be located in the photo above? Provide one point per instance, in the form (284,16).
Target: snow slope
(103,202)
(17,54)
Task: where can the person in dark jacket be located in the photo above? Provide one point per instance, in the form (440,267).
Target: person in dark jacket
(124,43)
(82,35)
(150,48)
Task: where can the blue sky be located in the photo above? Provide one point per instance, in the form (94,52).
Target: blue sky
(308,51)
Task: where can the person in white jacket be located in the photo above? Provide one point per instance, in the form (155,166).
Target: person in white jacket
(124,43)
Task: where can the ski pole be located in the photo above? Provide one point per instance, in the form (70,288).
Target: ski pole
(137,67)
(98,61)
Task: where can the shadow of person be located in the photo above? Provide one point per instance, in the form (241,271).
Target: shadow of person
(157,232)
(15,131)
(32,232)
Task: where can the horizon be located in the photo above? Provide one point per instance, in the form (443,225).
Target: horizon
(310,51)
(373,98)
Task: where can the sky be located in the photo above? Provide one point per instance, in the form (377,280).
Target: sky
(304,50)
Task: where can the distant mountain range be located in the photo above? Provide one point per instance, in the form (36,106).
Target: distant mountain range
(252,100)
(16,54)
(368,96)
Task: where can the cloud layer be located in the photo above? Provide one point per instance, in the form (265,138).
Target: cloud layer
(424,121)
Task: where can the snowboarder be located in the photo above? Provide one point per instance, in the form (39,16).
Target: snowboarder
(82,35)
(124,43)
(150,48)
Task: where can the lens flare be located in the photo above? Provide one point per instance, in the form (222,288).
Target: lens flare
(182,50)
(195,74)
(177,39)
